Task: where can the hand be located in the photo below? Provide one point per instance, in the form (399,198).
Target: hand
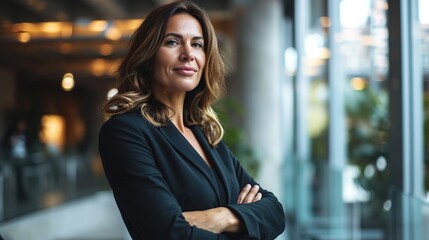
(249,194)
(216,220)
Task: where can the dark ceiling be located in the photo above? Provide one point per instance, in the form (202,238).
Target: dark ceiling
(73,10)
(46,55)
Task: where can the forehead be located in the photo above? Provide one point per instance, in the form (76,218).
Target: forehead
(185,24)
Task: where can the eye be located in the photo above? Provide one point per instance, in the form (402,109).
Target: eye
(171,42)
(198,44)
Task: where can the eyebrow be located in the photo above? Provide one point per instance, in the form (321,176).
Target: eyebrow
(181,37)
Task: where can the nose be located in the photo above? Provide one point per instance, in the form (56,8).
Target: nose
(187,54)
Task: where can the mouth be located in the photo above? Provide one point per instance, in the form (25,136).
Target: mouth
(186,71)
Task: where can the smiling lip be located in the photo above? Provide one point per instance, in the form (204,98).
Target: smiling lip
(187,71)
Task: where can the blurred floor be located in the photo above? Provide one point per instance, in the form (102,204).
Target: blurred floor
(94,217)
(70,201)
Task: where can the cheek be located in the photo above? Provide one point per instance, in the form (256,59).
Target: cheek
(163,58)
(160,66)
(156,72)
(202,61)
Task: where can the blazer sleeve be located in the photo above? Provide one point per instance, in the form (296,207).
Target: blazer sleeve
(147,206)
(264,219)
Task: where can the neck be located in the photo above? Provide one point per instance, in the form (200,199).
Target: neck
(177,120)
(175,103)
(176,112)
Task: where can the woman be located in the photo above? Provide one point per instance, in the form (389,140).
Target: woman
(162,150)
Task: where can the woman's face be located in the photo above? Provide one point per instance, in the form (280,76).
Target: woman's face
(180,60)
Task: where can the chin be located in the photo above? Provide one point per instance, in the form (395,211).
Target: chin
(189,86)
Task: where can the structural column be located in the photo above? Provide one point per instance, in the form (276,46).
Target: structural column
(302,139)
(337,122)
(406,121)
(259,71)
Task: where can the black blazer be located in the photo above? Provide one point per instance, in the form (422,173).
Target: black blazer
(155,175)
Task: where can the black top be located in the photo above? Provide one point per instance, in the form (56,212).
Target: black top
(220,187)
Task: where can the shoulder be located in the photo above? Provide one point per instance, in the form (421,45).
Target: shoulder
(124,130)
(129,119)
(129,123)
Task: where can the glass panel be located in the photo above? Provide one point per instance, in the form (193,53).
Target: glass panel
(373,209)
(416,213)
(424,33)
(316,55)
(364,54)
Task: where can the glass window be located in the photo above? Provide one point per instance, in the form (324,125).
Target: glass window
(364,54)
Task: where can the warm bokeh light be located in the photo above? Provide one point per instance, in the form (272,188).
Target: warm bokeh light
(112,30)
(24,37)
(97,26)
(325,22)
(21,27)
(358,83)
(51,27)
(68,82)
(66,48)
(113,34)
(66,30)
(98,67)
(106,49)
(128,25)
(52,132)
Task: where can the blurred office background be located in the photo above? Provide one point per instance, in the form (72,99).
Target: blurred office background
(327,106)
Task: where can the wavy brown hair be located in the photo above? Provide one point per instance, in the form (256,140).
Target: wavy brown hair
(135,74)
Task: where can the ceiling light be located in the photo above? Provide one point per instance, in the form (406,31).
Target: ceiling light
(67,82)
(24,37)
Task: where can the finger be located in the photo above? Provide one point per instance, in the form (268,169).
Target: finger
(251,195)
(243,193)
(257,197)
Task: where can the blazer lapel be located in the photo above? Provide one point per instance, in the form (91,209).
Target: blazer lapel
(179,142)
(215,158)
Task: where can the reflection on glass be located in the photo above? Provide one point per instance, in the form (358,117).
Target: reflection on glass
(423,15)
(291,61)
(354,13)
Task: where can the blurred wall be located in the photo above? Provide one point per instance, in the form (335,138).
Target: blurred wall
(7,96)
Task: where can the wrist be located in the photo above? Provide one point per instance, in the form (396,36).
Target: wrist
(231,221)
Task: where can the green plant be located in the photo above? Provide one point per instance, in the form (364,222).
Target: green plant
(230,113)
(368,127)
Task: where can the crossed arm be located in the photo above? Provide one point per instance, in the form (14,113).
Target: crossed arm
(134,175)
(222,219)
